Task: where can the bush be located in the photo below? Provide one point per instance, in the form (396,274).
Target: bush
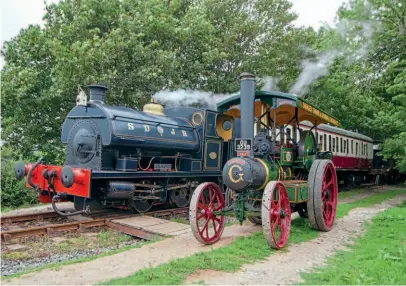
(13,192)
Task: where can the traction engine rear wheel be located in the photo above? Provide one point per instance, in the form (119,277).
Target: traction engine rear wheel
(323,195)
(206,226)
(276,214)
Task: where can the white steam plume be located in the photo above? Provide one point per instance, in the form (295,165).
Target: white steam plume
(182,97)
(357,38)
(270,83)
(312,70)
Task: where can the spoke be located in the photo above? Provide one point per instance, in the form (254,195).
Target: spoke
(328,184)
(211,197)
(274,205)
(200,206)
(214,224)
(200,216)
(217,219)
(279,198)
(205,226)
(207,230)
(275,225)
(203,199)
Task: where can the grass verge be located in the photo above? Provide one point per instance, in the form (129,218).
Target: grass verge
(242,251)
(378,257)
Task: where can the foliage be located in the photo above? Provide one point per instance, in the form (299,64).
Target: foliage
(368,93)
(13,192)
(136,48)
(379,257)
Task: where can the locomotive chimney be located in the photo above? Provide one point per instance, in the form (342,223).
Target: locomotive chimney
(97,92)
(247,95)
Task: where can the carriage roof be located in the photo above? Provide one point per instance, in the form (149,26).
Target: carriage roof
(288,107)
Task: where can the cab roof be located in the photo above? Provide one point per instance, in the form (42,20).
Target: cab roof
(285,105)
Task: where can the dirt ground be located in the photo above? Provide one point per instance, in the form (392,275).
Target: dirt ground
(128,262)
(285,267)
(280,268)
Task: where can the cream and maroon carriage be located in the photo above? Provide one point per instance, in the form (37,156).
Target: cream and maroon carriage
(272,174)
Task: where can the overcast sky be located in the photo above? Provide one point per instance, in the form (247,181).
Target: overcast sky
(18,14)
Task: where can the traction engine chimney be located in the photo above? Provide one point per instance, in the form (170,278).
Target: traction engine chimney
(247,104)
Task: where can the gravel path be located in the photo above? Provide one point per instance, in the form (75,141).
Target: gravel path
(128,262)
(285,267)
(9,267)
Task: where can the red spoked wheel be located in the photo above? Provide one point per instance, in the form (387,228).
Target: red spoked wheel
(276,214)
(323,195)
(206,226)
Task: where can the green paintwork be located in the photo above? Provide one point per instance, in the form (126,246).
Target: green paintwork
(310,147)
(287,156)
(298,192)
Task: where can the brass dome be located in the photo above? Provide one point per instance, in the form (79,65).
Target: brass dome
(154,108)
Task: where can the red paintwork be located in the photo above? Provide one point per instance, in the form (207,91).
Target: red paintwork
(346,163)
(330,200)
(81,186)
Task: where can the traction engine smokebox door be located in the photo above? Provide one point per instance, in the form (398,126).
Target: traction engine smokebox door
(212,154)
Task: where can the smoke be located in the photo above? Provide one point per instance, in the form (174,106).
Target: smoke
(312,70)
(182,97)
(270,83)
(354,42)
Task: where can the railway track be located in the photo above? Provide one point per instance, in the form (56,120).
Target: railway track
(54,229)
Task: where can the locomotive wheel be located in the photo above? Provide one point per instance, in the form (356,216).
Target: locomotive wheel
(181,197)
(206,226)
(302,210)
(140,206)
(323,195)
(275,214)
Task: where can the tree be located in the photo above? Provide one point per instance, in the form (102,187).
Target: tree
(136,48)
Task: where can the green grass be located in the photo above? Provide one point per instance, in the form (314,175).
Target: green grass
(348,194)
(242,251)
(366,202)
(378,257)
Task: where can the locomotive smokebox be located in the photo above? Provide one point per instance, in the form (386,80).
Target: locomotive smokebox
(97,92)
(247,95)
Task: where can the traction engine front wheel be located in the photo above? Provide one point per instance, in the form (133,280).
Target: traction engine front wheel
(276,214)
(207,227)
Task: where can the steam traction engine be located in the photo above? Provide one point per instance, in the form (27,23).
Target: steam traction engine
(271,175)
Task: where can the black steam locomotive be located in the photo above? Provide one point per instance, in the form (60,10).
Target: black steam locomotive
(118,156)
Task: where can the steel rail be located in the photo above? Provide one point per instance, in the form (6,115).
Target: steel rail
(54,229)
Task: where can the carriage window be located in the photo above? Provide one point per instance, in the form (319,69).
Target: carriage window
(337,146)
(352,147)
(367,149)
(356,148)
(334,144)
(325,142)
(321,143)
(348,146)
(329,143)
(341,144)
(345,146)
